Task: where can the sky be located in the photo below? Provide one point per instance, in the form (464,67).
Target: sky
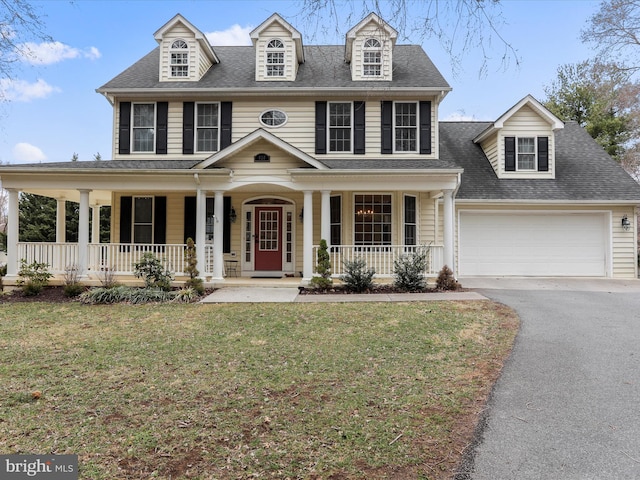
(54,112)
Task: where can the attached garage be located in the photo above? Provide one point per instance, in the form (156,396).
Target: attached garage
(534,243)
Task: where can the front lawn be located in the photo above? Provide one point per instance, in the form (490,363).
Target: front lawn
(344,391)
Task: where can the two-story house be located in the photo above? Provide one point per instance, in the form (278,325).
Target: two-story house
(258,152)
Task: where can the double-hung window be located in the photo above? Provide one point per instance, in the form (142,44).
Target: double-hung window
(275,58)
(410,220)
(406,127)
(142,219)
(372,58)
(143,127)
(179,59)
(526,153)
(340,126)
(207,127)
(372,219)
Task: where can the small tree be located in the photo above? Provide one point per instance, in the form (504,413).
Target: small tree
(446,280)
(35,276)
(191,269)
(323,268)
(357,277)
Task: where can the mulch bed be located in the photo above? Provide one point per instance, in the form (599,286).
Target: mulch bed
(48,294)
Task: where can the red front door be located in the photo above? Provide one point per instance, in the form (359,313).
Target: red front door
(268,252)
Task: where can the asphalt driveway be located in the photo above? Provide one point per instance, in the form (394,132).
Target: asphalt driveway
(567,405)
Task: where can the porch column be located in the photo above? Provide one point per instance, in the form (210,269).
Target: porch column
(448,229)
(201,225)
(325,216)
(218,236)
(95,223)
(61,220)
(83,232)
(307,250)
(12,233)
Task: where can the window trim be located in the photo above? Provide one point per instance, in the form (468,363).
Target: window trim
(133,218)
(270,50)
(389,223)
(269,110)
(377,65)
(134,127)
(535,154)
(405,223)
(183,51)
(197,127)
(330,128)
(416,127)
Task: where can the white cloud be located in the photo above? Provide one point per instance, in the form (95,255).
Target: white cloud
(23,91)
(27,153)
(234,35)
(48,53)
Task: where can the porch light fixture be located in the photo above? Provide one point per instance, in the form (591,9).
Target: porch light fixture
(301,216)
(232,215)
(626,224)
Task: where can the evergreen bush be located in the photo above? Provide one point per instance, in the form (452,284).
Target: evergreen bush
(323,268)
(446,280)
(155,275)
(409,270)
(357,277)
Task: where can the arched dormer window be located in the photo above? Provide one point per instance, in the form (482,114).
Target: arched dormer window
(372,58)
(275,58)
(179,59)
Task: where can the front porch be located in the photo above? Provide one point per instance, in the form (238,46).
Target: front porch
(118,259)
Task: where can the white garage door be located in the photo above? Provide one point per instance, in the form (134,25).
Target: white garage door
(526,244)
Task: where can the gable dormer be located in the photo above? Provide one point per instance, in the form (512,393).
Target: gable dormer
(369,49)
(521,143)
(185,52)
(278,49)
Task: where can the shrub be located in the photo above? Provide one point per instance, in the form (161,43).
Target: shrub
(107,277)
(446,280)
(72,286)
(409,270)
(185,295)
(195,284)
(323,268)
(123,293)
(3,272)
(35,276)
(190,259)
(357,277)
(150,269)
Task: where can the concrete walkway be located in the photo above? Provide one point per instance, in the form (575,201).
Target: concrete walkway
(291,294)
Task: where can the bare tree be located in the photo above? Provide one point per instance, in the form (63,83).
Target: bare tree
(20,23)
(615,31)
(459,25)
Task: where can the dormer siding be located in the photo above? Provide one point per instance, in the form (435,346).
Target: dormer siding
(276,32)
(357,57)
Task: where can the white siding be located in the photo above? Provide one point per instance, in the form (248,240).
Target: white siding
(372,31)
(276,31)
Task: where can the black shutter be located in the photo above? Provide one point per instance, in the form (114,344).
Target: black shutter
(189,218)
(359,124)
(188,115)
(226,241)
(162,121)
(126,205)
(425,128)
(510,154)
(225,124)
(321,127)
(543,154)
(387,127)
(124,129)
(160,220)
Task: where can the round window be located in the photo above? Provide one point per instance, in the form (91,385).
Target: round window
(273,118)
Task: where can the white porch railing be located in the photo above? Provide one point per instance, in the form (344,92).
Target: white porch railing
(116,257)
(381,257)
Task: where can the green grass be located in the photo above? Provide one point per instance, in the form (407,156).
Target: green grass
(250,391)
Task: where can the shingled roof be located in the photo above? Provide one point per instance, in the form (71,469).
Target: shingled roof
(324,67)
(584,171)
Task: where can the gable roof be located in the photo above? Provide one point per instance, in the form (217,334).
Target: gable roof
(535,105)
(200,37)
(252,138)
(295,34)
(585,173)
(371,18)
(324,68)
